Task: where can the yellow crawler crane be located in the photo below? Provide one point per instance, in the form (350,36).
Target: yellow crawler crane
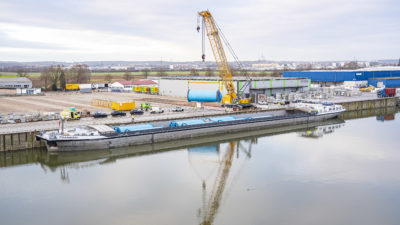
(231,98)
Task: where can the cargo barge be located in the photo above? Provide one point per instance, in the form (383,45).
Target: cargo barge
(97,137)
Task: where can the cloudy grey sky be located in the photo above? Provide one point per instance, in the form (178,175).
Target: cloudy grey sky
(77,30)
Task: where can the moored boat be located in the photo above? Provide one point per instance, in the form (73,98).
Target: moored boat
(104,137)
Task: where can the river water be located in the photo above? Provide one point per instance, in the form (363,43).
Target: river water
(339,172)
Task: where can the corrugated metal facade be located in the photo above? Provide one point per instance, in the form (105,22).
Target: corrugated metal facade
(340,76)
(388,82)
(180,86)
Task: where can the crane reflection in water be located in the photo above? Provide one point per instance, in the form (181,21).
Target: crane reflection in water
(212,164)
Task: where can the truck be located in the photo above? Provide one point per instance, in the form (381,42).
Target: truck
(70,115)
(156,110)
(386,92)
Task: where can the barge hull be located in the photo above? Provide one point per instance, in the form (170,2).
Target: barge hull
(129,140)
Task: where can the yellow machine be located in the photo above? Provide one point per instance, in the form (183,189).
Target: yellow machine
(368,89)
(70,115)
(231,98)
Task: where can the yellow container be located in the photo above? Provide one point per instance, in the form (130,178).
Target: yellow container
(101,103)
(123,106)
(137,89)
(72,86)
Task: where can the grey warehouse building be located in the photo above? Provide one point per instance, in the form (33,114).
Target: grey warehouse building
(179,86)
(15,82)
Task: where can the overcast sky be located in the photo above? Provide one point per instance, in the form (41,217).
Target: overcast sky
(78,30)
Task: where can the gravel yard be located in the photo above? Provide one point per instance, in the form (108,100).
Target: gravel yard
(59,101)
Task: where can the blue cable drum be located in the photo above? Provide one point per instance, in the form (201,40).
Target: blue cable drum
(119,129)
(204,96)
(181,123)
(264,116)
(222,118)
(245,118)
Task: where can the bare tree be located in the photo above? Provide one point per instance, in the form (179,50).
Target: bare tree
(161,72)
(263,73)
(351,65)
(209,72)
(108,78)
(62,80)
(127,75)
(54,76)
(286,68)
(22,73)
(234,72)
(44,77)
(194,72)
(244,73)
(79,74)
(276,73)
(146,73)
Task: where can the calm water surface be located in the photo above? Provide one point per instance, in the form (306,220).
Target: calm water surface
(342,173)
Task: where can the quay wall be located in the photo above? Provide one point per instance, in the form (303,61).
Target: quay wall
(19,141)
(369,104)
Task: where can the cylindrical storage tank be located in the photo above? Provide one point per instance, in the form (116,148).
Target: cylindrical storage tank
(204,96)
(222,118)
(185,123)
(119,129)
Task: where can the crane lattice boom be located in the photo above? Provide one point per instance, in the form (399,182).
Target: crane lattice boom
(219,54)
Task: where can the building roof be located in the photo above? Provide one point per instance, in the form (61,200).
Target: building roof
(234,78)
(14,80)
(144,82)
(137,82)
(367,69)
(126,82)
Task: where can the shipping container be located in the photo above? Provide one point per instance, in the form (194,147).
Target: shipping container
(71,87)
(120,106)
(85,86)
(123,106)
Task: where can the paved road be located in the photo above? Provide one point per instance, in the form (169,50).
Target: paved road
(147,117)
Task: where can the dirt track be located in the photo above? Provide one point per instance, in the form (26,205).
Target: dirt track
(58,101)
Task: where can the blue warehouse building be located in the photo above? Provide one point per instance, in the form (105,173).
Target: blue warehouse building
(390,76)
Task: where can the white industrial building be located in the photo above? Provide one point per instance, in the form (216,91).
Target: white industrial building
(15,82)
(29,91)
(179,86)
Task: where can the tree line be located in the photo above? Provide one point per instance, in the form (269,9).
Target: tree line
(56,77)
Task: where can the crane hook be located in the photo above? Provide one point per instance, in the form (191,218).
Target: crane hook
(203,57)
(198,28)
